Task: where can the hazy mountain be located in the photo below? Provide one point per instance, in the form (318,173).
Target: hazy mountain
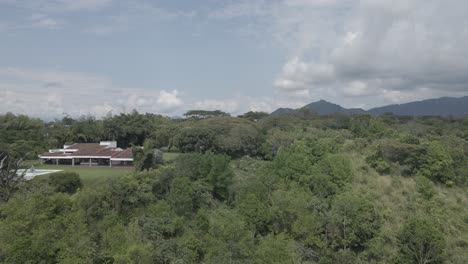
(443,106)
(323,107)
(282,111)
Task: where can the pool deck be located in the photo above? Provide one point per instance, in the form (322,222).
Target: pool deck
(37,172)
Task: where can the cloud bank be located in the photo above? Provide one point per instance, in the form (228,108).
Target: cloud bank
(389,51)
(52,94)
(358,53)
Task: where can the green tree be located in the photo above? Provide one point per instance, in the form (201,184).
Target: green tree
(147,157)
(11,176)
(353,221)
(220,176)
(205,113)
(364,125)
(421,241)
(276,249)
(330,175)
(275,139)
(228,239)
(32,227)
(254,116)
(437,163)
(195,139)
(254,211)
(180,197)
(68,182)
(425,187)
(76,244)
(294,162)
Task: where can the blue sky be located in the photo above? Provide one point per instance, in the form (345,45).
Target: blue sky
(98,56)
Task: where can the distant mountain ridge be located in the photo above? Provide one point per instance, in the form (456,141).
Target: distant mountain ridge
(323,107)
(444,106)
(283,111)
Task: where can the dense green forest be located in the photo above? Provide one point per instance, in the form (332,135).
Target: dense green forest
(296,188)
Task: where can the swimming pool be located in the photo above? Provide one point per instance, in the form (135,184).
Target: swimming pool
(30,174)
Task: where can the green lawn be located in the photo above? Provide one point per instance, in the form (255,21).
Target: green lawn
(91,176)
(170,156)
(94,176)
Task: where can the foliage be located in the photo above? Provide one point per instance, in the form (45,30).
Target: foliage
(296,188)
(275,139)
(330,175)
(67,182)
(195,139)
(254,116)
(425,187)
(437,163)
(10,176)
(421,241)
(205,113)
(20,135)
(276,249)
(147,157)
(353,221)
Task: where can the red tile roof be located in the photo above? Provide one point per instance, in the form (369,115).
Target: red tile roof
(92,149)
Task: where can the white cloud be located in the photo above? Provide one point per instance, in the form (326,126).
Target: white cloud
(47,14)
(228,105)
(358,89)
(168,101)
(355,51)
(314,3)
(112,24)
(50,93)
(53,93)
(57,6)
(83,4)
(297,76)
(44,21)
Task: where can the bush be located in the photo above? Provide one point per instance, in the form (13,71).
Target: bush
(330,175)
(353,221)
(68,182)
(421,241)
(424,187)
(437,163)
(276,249)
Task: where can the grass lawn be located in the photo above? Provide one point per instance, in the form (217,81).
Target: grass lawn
(170,156)
(91,176)
(94,176)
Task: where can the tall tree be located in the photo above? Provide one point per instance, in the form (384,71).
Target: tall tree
(421,241)
(10,179)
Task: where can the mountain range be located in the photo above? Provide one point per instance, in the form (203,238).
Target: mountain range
(444,106)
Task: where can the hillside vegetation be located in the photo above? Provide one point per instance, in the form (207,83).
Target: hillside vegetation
(296,188)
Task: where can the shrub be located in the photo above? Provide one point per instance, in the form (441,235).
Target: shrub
(437,163)
(424,187)
(421,241)
(353,221)
(330,175)
(68,182)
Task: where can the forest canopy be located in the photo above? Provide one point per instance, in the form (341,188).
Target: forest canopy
(295,188)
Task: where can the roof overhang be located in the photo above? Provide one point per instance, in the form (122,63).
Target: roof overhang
(74,157)
(122,159)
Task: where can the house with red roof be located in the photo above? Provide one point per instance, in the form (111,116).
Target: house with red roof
(105,153)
